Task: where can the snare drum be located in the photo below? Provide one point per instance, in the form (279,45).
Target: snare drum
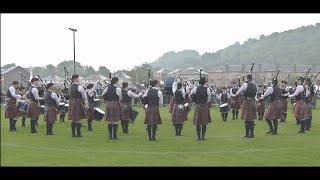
(66,106)
(96,102)
(98,114)
(41,109)
(224,107)
(61,106)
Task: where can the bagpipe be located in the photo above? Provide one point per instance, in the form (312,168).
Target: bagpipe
(42,87)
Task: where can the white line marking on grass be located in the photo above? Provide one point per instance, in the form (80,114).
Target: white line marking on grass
(69,149)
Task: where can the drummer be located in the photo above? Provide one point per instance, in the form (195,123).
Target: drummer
(224,99)
(62,110)
(33,109)
(12,112)
(91,94)
(23,110)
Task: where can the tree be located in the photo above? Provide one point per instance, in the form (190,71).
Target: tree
(50,69)
(104,71)
(9,65)
(88,70)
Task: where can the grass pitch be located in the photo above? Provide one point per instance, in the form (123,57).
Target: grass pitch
(224,145)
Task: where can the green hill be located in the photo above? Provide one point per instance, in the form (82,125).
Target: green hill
(297,46)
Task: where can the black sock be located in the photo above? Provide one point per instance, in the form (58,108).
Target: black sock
(78,126)
(176,127)
(32,125)
(302,126)
(237,113)
(73,128)
(251,129)
(149,131)
(123,126)
(275,125)
(48,128)
(270,126)
(204,128)
(233,114)
(23,121)
(154,131)
(246,125)
(180,128)
(226,116)
(10,124)
(110,130)
(89,124)
(198,129)
(14,124)
(310,120)
(115,128)
(51,128)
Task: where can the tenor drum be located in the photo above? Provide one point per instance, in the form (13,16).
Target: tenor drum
(224,107)
(23,106)
(61,106)
(66,106)
(98,114)
(41,109)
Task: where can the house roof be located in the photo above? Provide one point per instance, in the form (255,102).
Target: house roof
(52,77)
(4,71)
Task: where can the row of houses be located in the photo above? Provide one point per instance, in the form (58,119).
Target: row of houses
(23,75)
(224,75)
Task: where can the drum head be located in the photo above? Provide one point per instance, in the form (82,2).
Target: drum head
(66,105)
(99,110)
(61,104)
(223,105)
(96,99)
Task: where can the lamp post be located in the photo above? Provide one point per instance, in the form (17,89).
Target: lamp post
(74,50)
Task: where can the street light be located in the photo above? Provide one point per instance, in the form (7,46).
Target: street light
(74,50)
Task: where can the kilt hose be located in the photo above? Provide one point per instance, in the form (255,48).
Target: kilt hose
(33,110)
(76,110)
(152,116)
(201,115)
(179,115)
(113,111)
(249,110)
(274,111)
(12,111)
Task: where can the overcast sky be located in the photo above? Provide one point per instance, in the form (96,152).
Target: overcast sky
(121,41)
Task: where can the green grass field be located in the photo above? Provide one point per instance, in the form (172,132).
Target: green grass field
(224,145)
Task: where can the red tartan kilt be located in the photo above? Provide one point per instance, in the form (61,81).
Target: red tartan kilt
(50,114)
(152,115)
(274,111)
(127,112)
(11,111)
(301,110)
(114,111)
(178,116)
(33,110)
(76,110)
(261,107)
(310,109)
(171,105)
(201,114)
(249,110)
(90,112)
(235,103)
(284,105)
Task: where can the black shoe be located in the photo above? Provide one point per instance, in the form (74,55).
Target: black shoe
(301,132)
(274,133)
(73,129)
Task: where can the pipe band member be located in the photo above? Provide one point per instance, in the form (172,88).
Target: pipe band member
(274,111)
(224,98)
(77,104)
(154,100)
(91,94)
(309,95)
(33,107)
(23,107)
(179,114)
(261,104)
(235,101)
(126,103)
(62,111)
(301,108)
(201,96)
(249,108)
(12,112)
(113,96)
(52,101)
(284,99)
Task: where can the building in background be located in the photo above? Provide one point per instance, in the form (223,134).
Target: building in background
(17,73)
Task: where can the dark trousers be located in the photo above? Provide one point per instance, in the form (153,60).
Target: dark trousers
(201,130)
(125,126)
(224,116)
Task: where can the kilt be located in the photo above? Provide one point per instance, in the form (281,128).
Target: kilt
(249,110)
(261,107)
(11,110)
(235,103)
(179,115)
(274,111)
(76,110)
(284,103)
(90,112)
(50,114)
(301,110)
(201,114)
(310,109)
(33,110)
(127,111)
(113,111)
(171,104)
(152,115)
